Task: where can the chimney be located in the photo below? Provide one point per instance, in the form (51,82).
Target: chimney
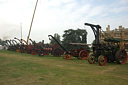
(120,27)
(115,29)
(42,42)
(108,28)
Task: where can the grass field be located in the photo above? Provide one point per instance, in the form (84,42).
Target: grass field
(26,69)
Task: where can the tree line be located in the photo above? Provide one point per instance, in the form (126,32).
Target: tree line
(71,36)
(2,42)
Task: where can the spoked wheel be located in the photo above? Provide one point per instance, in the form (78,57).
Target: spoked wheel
(121,57)
(64,56)
(102,60)
(68,57)
(17,50)
(91,59)
(83,55)
(33,52)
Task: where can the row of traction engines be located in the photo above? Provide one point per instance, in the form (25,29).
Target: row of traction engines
(20,45)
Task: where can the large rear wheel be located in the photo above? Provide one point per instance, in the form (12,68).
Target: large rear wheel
(83,55)
(121,57)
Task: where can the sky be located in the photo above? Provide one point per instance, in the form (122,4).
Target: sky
(55,16)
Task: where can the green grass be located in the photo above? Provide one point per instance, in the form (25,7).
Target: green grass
(26,69)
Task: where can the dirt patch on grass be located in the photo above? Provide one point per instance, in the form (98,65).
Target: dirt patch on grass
(108,69)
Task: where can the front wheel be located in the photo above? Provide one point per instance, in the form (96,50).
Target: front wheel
(91,59)
(64,56)
(68,57)
(102,60)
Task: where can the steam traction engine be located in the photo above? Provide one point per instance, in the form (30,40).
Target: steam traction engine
(40,49)
(109,51)
(79,52)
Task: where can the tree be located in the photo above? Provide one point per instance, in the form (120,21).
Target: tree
(57,36)
(2,42)
(74,36)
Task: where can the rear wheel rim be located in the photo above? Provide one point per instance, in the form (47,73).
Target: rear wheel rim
(83,55)
(123,58)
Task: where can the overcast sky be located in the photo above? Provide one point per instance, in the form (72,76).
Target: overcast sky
(55,16)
